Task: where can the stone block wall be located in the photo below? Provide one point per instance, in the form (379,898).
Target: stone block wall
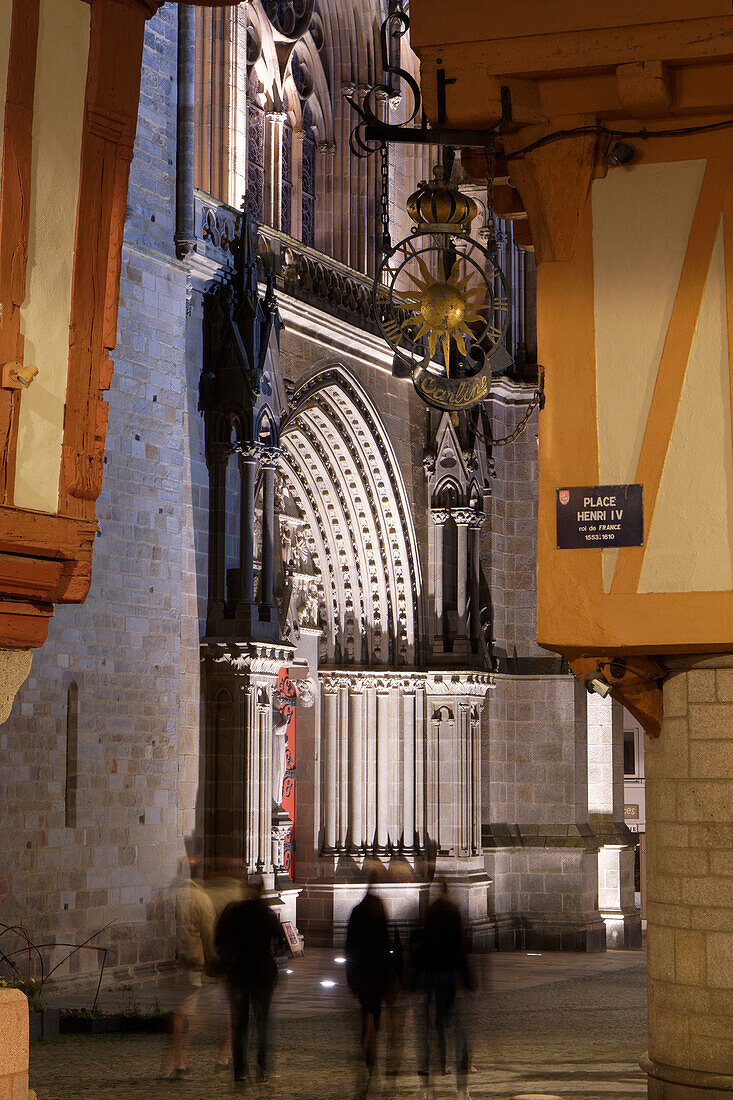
(540,850)
(509,558)
(535,762)
(92,796)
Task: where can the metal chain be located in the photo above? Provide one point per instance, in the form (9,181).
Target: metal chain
(538,399)
(520,426)
(384,199)
(489,151)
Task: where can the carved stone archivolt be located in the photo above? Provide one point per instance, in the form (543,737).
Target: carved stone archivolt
(347,483)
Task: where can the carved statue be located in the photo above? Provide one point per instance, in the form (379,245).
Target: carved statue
(306,692)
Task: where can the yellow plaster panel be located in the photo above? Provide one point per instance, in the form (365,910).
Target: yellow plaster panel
(641,223)
(690,546)
(58,115)
(6,15)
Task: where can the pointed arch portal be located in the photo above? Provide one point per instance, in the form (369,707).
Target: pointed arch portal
(344,474)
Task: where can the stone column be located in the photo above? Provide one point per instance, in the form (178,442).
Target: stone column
(330,763)
(252,777)
(476,781)
(15,664)
(343,768)
(383,766)
(408,768)
(185,235)
(248,474)
(274,121)
(269,465)
(462,517)
(476,524)
(356,744)
(689,809)
(324,186)
(296,155)
(264,723)
(217,457)
(439,516)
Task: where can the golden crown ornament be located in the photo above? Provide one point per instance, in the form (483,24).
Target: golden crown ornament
(441,300)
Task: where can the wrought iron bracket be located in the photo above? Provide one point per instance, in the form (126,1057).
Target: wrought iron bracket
(371,131)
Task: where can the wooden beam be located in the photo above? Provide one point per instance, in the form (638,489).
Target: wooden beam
(15,209)
(673,363)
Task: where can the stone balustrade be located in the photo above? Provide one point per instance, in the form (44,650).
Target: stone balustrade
(299,271)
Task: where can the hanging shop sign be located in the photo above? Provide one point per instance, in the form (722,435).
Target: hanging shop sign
(593,516)
(440,298)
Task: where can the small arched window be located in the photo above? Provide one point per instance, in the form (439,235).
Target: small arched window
(72,754)
(256,152)
(286,198)
(308,180)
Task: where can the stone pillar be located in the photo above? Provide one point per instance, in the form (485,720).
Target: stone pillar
(15,664)
(269,465)
(274,121)
(217,457)
(343,769)
(296,155)
(264,838)
(185,235)
(248,473)
(689,808)
(356,744)
(330,764)
(439,517)
(476,524)
(252,802)
(325,185)
(476,781)
(383,766)
(462,522)
(605,808)
(408,768)
(14,1037)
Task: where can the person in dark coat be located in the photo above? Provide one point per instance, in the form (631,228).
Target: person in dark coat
(442,971)
(368,970)
(247,935)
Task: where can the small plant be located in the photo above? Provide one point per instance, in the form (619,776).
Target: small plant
(127,1004)
(30,986)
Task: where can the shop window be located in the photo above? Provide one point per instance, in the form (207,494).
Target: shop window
(629,752)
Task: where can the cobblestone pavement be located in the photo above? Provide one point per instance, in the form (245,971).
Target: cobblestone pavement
(555,1025)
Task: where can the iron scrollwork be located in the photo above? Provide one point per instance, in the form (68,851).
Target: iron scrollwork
(394,28)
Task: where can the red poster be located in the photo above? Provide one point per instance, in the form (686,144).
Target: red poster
(286,693)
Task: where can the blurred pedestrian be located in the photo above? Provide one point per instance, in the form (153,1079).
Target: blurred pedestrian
(368,973)
(247,937)
(224,883)
(442,971)
(194,953)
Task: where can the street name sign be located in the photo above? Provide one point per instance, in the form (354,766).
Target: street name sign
(600,516)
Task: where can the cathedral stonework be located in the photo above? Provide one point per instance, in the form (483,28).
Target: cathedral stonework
(309,645)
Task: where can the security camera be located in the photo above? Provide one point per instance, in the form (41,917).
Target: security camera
(597,684)
(621,153)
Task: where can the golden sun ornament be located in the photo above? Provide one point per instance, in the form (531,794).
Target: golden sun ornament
(447,308)
(441,288)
